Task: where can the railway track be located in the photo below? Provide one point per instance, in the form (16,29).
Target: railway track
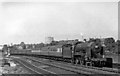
(112,70)
(76,68)
(35,70)
(115,65)
(45,72)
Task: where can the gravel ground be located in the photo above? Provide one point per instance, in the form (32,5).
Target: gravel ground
(5,69)
(14,70)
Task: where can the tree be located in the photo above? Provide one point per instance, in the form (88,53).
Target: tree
(5,48)
(54,43)
(110,44)
(117,47)
(22,44)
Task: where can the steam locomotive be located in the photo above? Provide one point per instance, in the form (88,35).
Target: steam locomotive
(84,53)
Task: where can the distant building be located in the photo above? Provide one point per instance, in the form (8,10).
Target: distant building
(48,40)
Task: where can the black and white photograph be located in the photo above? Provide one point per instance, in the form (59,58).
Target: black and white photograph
(59,38)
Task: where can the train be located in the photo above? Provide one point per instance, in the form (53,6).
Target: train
(83,53)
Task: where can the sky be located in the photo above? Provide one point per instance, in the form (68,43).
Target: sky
(31,22)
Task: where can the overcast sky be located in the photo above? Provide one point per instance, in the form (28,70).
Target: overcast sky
(31,22)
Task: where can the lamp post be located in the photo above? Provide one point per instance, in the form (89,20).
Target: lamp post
(82,36)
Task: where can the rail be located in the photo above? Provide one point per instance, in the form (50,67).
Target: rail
(87,70)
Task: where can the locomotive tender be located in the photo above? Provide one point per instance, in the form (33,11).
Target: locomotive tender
(83,53)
